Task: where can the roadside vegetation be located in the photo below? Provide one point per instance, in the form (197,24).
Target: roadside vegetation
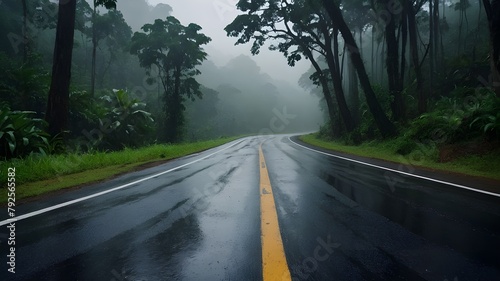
(460,133)
(414,80)
(38,174)
(485,165)
(78,84)
(88,92)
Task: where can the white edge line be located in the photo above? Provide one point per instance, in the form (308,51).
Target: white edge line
(400,172)
(61,205)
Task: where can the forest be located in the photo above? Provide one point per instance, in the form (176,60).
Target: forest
(118,93)
(106,75)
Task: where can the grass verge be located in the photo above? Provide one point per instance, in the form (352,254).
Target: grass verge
(486,166)
(40,175)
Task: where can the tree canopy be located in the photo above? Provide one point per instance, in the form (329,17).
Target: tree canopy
(175,50)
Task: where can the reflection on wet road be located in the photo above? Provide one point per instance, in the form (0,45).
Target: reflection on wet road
(338,221)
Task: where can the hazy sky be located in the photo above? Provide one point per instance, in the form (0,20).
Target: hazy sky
(213,16)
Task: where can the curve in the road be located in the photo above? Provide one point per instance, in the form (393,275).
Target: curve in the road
(399,172)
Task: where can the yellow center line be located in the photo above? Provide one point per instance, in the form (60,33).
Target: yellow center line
(274,265)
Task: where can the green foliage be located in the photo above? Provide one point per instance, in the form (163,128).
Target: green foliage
(127,124)
(461,5)
(38,175)
(469,113)
(109,4)
(83,16)
(404,146)
(424,156)
(40,15)
(24,86)
(20,135)
(84,112)
(325,131)
(200,116)
(111,26)
(367,129)
(176,51)
(110,122)
(488,117)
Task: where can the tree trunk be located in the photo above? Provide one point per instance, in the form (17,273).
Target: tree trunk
(105,71)
(324,86)
(175,107)
(337,82)
(431,46)
(328,98)
(378,69)
(94,50)
(385,126)
(460,25)
(361,42)
(441,31)
(383,56)
(373,53)
(493,13)
(25,32)
(436,33)
(395,87)
(353,92)
(404,42)
(478,31)
(58,100)
(412,30)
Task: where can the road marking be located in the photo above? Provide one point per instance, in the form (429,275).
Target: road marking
(61,205)
(274,265)
(400,172)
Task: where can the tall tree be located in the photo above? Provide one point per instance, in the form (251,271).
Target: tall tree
(461,6)
(353,91)
(94,49)
(493,14)
(385,126)
(25,31)
(175,50)
(110,26)
(356,14)
(98,24)
(58,100)
(305,32)
(394,72)
(412,31)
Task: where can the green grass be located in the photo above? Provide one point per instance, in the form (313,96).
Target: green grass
(486,166)
(39,175)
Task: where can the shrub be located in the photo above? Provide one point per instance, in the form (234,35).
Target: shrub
(487,117)
(24,86)
(469,113)
(21,135)
(129,123)
(325,131)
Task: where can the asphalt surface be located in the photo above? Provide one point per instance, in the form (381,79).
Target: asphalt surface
(339,220)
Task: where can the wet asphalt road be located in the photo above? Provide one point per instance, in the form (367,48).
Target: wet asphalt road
(338,220)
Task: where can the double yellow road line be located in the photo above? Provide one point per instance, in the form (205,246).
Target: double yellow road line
(274,265)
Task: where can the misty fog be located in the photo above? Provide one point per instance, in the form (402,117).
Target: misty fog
(242,93)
